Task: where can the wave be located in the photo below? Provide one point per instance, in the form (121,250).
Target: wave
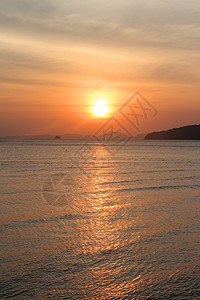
(162,187)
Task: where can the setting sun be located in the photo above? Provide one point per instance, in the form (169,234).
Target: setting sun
(100,109)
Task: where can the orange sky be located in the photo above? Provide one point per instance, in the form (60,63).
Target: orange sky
(57,58)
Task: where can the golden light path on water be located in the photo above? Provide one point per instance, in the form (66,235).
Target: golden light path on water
(107,228)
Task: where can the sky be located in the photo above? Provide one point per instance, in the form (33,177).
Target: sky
(58,57)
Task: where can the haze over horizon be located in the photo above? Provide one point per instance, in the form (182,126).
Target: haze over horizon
(56,58)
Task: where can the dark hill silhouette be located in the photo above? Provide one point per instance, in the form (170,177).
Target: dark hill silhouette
(191,132)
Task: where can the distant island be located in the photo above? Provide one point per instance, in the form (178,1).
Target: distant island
(191,132)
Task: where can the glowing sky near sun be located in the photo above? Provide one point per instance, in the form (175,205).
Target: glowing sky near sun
(58,57)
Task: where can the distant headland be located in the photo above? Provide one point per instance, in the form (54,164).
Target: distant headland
(191,132)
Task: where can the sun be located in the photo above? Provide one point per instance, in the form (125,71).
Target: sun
(100,109)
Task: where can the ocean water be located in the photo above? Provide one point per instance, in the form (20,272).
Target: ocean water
(79,220)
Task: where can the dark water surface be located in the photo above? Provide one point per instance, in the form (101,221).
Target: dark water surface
(79,222)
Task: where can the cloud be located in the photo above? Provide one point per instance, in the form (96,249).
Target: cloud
(21,59)
(96,39)
(131,23)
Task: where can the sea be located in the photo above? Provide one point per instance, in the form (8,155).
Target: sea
(96,220)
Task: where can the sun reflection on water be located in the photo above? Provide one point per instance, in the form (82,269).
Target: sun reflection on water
(107,230)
